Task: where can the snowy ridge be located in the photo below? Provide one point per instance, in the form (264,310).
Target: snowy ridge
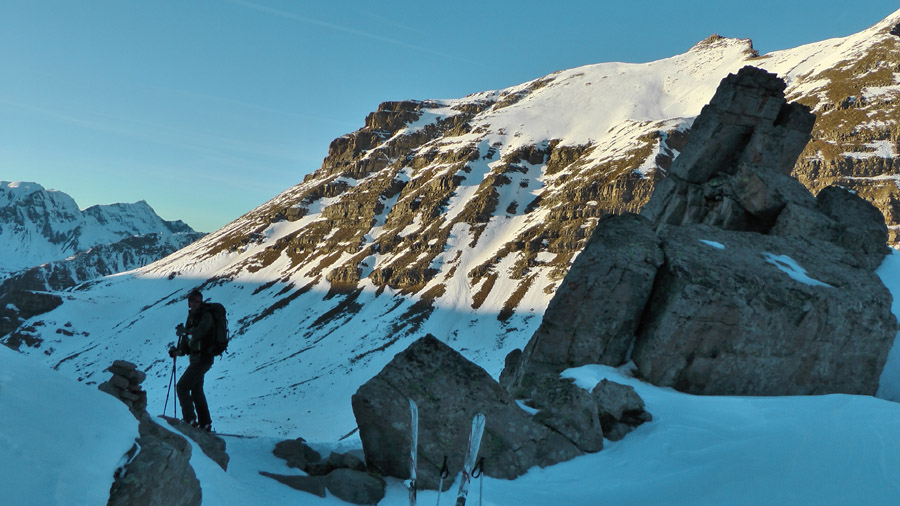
(39,226)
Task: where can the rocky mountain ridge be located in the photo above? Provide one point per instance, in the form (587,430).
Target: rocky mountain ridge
(390,198)
(735,280)
(38,226)
(47,244)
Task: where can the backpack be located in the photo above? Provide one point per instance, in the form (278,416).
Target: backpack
(217,339)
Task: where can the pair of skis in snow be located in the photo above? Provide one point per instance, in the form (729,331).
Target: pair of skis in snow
(468,465)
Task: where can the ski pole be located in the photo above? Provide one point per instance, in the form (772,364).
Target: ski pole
(168,391)
(478,472)
(174,402)
(445,472)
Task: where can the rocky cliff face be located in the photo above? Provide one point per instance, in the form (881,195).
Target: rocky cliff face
(398,203)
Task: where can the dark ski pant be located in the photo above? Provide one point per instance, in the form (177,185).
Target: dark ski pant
(190,389)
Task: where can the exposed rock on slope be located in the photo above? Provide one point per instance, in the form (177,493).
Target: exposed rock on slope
(743,301)
(598,307)
(158,471)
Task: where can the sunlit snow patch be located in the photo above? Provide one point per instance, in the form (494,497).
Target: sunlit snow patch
(790,267)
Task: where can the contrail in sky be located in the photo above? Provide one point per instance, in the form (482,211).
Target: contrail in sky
(341,28)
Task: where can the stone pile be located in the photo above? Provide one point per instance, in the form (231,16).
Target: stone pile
(125,385)
(158,470)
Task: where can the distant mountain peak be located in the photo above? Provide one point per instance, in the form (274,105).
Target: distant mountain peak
(717,42)
(39,225)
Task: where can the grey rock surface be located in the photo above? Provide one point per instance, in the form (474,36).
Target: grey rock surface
(596,311)
(764,315)
(734,171)
(357,487)
(449,390)
(569,410)
(620,409)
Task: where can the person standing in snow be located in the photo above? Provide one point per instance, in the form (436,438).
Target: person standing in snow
(191,339)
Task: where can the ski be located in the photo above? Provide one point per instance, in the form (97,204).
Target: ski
(413,450)
(471,458)
(242,436)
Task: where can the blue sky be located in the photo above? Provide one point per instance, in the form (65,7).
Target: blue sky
(208,108)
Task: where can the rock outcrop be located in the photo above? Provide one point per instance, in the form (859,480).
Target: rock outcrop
(158,472)
(751,314)
(620,409)
(596,311)
(449,390)
(211,445)
(343,474)
(740,281)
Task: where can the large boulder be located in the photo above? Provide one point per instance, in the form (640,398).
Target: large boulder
(762,289)
(449,390)
(746,313)
(596,311)
(734,171)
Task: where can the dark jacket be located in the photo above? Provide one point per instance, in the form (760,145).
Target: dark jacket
(198,325)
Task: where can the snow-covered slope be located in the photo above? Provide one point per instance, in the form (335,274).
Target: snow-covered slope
(834,450)
(455,217)
(60,441)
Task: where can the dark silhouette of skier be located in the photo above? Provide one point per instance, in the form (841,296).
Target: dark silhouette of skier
(192,338)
